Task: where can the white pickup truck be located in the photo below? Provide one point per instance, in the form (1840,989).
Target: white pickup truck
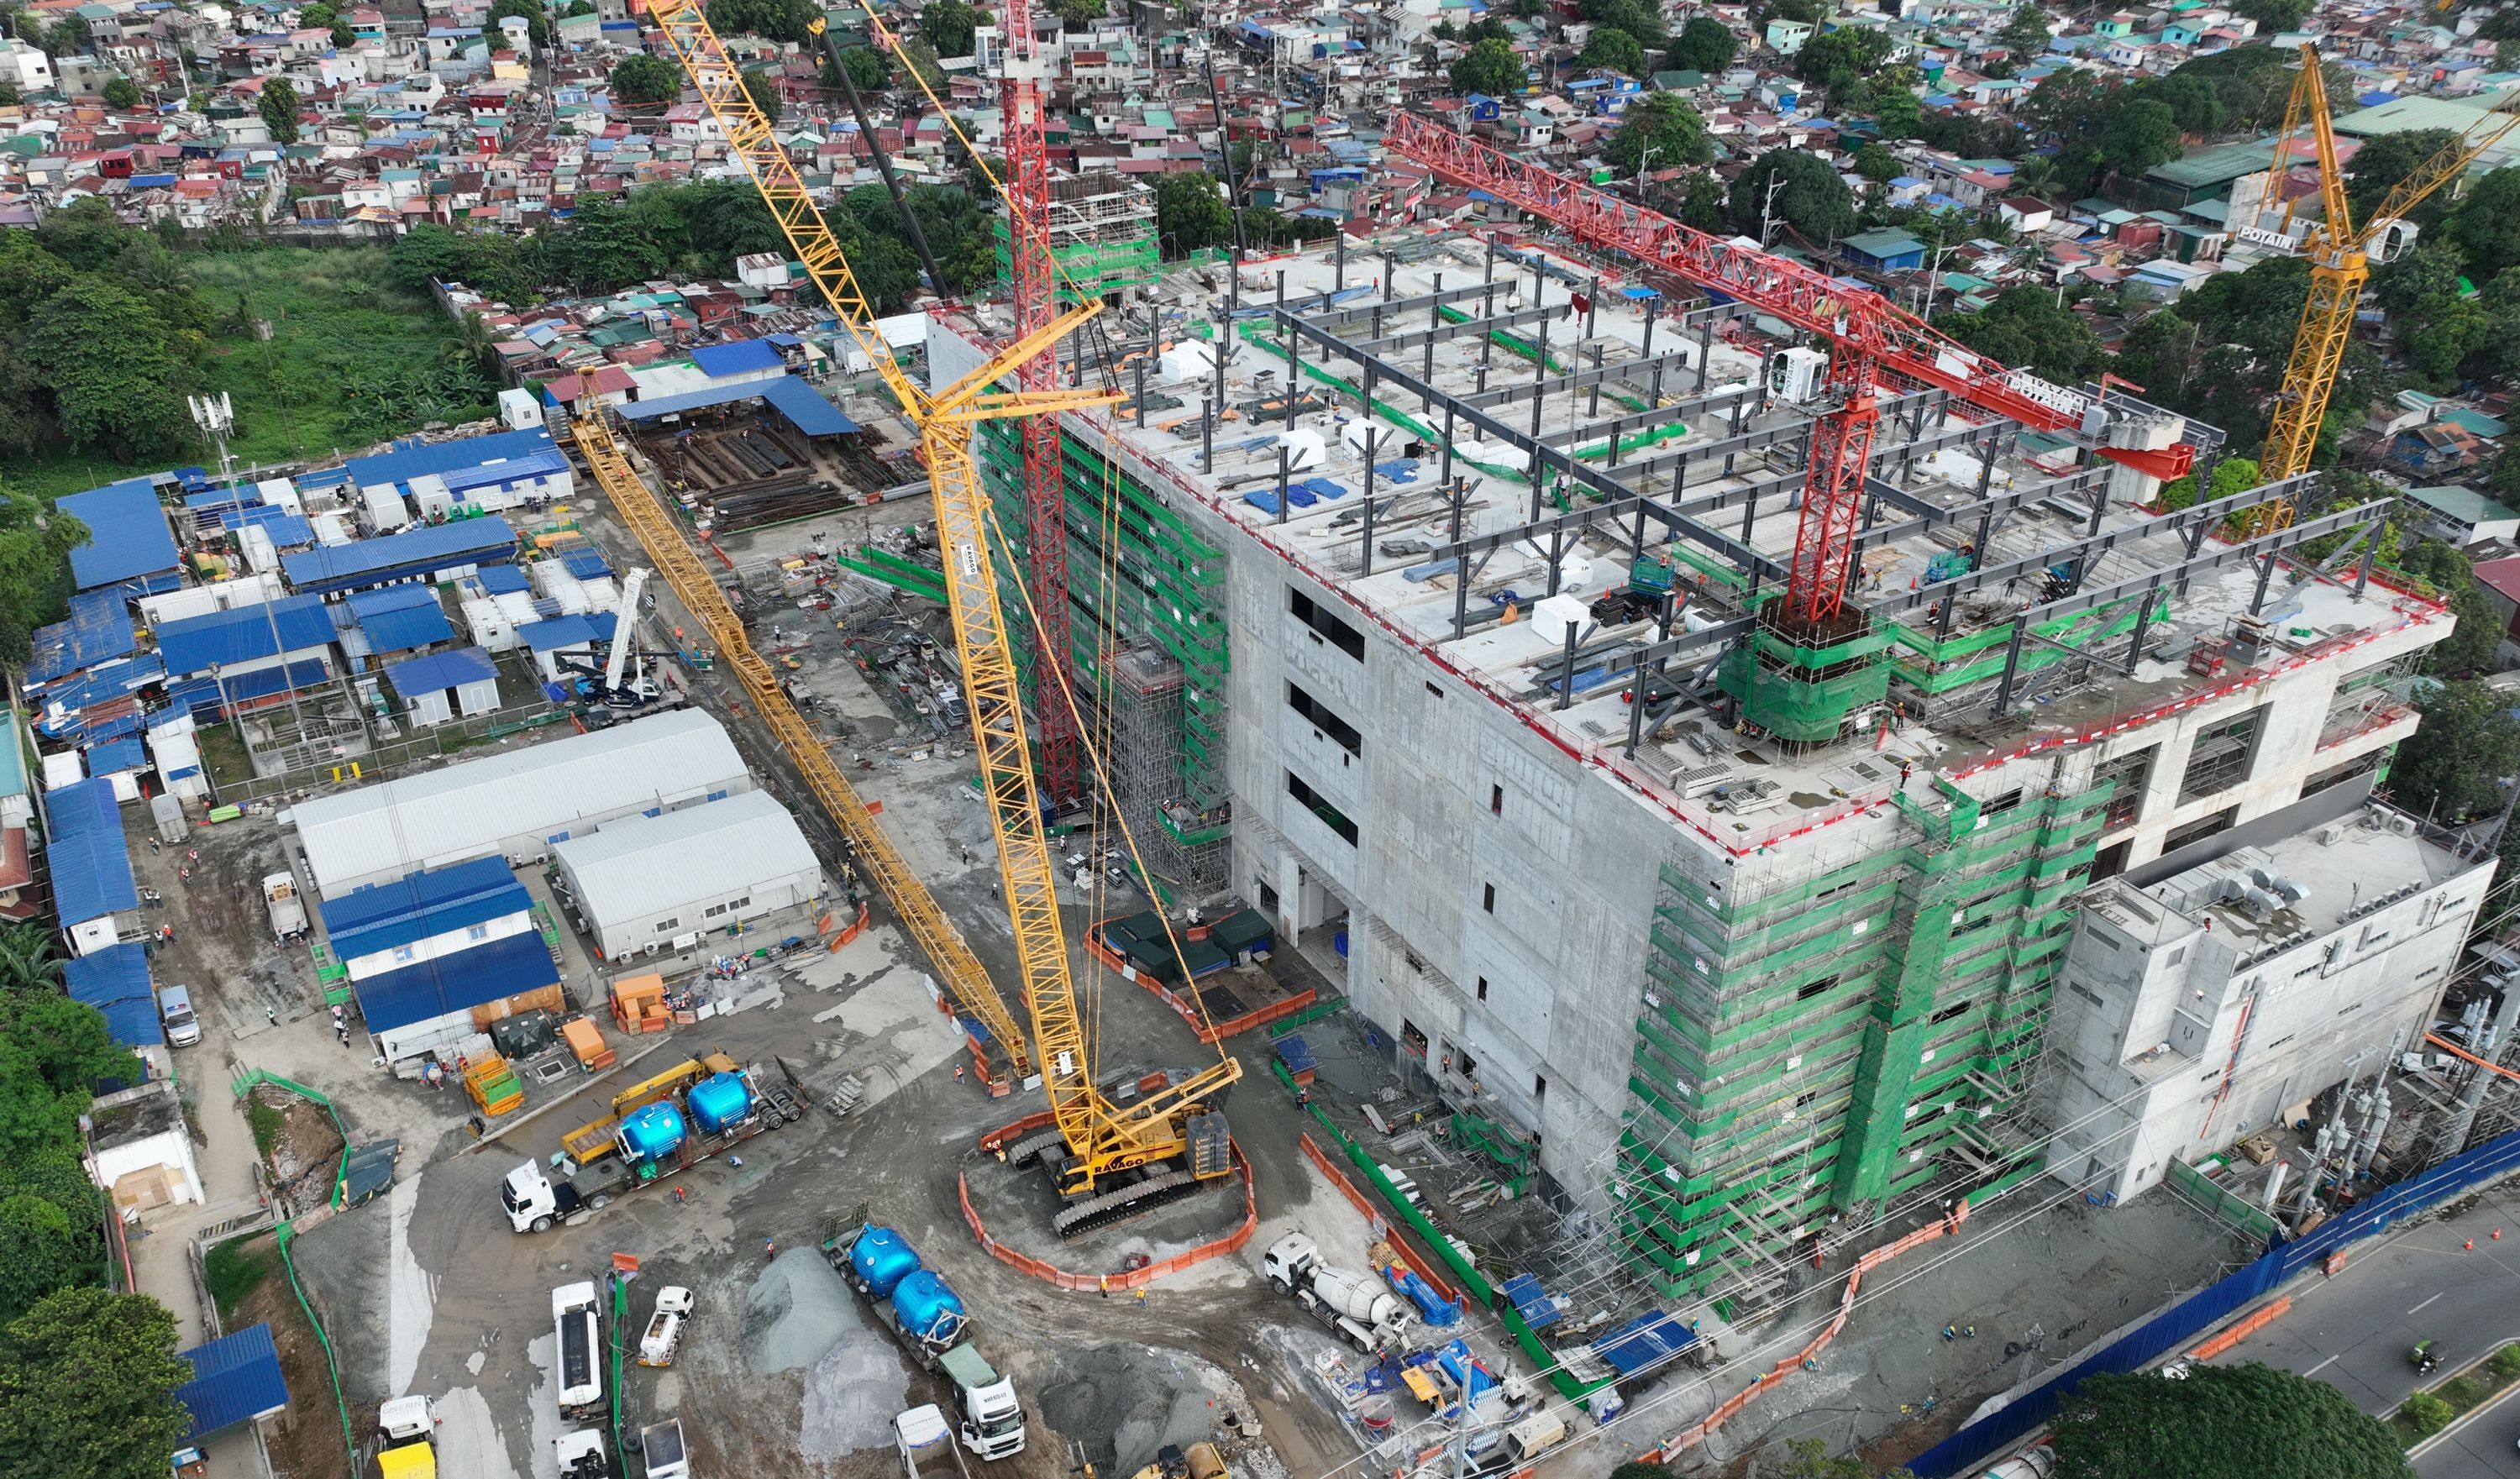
(288,910)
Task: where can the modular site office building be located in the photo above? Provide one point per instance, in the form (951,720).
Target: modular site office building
(1767,956)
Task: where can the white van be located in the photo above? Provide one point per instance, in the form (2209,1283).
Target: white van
(175,1009)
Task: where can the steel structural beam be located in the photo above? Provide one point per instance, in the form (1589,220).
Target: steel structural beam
(1440,332)
(2209,559)
(2004,502)
(1607,372)
(1543,457)
(2090,547)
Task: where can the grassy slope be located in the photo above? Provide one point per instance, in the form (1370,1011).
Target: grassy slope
(330,310)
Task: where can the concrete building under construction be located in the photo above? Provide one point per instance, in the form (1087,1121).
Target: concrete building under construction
(1750,936)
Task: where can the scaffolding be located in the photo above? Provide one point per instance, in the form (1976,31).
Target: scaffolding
(1836,1043)
(1101,235)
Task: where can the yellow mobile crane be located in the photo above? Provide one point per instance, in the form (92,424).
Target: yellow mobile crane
(1109,1162)
(2341,254)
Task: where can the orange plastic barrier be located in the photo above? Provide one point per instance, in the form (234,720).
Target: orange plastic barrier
(2257,1320)
(1257,1016)
(1689,1437)
(1423,1267)
(1132,1278)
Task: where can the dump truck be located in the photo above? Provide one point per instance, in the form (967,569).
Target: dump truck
(1202,1462)
(662,1453)
(1354,1306)
(580,1455)
(666,1326)
(407,1432)
(927,1445)
(658,1128)
(935,1325)
(288,910)
(575,1320)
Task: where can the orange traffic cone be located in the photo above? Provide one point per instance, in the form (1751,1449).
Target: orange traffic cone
(2469,1246)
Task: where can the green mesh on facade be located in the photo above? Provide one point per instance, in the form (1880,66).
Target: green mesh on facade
(1804,695)
(1828,1044)
(1932,666)
(1091,269)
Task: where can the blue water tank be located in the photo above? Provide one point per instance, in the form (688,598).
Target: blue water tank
(881,1259)
(717,1101)
(653,1131)
(929,1309)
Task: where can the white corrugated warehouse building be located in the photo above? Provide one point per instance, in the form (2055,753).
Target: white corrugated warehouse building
(517,805)
(658,883)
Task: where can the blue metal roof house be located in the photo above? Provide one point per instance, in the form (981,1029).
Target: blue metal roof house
(130,546)
(1889,250)
(235,1381)
(375,929)
(90,863)
(431,552)
(115,982)
(443,686)
(400,618)
(427,1004)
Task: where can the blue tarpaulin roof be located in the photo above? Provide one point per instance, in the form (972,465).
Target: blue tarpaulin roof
(736,358)
(399,618)
(441,670)
(90,862)
(116,755)
(365,920)
(800,403)
(99,628)
(557,633)
(1538,1308)
(203,692)
(1646,1341)
(501,579)
(115,982)
(424,550)
(235,1378)
(127,533)
(404,464)
(287,530)
(243,634)
(457,982)
(585,564)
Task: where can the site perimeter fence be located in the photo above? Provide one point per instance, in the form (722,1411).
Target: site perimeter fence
(1970,1448)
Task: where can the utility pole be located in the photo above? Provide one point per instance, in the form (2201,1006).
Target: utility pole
(1768,210)
(215,415)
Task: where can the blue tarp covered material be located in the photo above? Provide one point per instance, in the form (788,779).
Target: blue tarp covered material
(427,989)
(99,628)
(1645,1342)
(1538,1308)
(235,1379)
(115,982)
(287,530)
(202,694)
(501,579)
(441,670)
(585,564)
(1439,1311)
(384,915)
(91,863)
(243,634)
(128,538)
(738,358)
(423,550)
(116,756)
(400,617)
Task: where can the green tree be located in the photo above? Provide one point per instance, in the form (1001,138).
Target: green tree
(2275,16)
(120,93)
(2486,226)
(35,588)
(948,25)
(763,89)
(318,14)
(1809,1459)
(279,105)
(2221,1422)
(2025,31)
(47,1252)
(1076,15)
(2386,159)
(788,20)
(537,22)
(1489,67)
(2025,328)
(86,235)
(867,69)
(1615,50)
(1704,45)
(118,383)
(1812,199)
(87,1387)
(1640,1471)
(1641,19)
(69,36)
(2232,475)
(1662,132)
(65,1043)
(2450,768)
(1877,164)
(9,97)
(1191,213)
(1836,59)
(1488,29)
(641,80)
(1898,114)
(2139,136)
(1702,206)
(27,962)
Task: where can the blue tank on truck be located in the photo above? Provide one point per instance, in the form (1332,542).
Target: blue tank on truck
(719,1103)
(652,1132)
(928,1309)
(880,1259)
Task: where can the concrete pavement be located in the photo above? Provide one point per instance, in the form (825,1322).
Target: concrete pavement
(2355,1330)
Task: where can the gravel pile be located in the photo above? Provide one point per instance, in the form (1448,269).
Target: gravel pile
(1131,1400)
(798,1308)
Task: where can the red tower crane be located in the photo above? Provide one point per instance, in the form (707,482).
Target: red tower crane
(1869,339)
(1033,274)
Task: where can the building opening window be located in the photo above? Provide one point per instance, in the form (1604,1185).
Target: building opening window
(1539,1089)
(667,926)
(1815,988)
(1326,624)
(2132,772)
(1487,897)
(2220,759)
(1495,801)
(2338,775)
(1310,800)
(1319,715)
(1412,1041)
(1483,988)
(2199,829)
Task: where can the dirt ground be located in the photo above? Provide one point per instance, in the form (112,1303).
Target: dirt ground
(305,1441)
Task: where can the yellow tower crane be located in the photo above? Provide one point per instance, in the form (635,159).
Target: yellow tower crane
(1102,1139)
(2341,253)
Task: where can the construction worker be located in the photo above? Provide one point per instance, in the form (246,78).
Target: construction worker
(1104,1280)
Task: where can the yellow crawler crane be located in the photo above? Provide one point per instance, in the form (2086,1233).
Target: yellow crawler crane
(1098,1142)
(2341,254)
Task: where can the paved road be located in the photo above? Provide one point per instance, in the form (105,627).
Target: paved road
(2355,1330)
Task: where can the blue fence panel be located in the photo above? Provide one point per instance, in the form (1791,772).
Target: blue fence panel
(1976,1444)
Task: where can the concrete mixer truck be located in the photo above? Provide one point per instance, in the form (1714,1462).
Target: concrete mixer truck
(918,1305)
(1356,1307)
